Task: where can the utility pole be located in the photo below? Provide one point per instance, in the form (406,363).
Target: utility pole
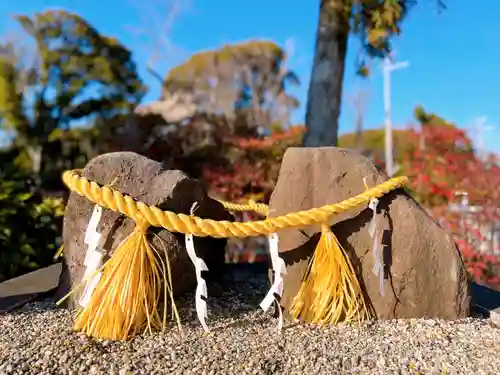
(479,127)
(388,67)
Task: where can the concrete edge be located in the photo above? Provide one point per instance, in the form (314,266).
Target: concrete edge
(38,281)
(493,315)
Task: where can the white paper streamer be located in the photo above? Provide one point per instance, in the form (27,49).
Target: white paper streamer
(201,288)
(93,256)
(91,234)
(374,231)
(279,269)
(89,289)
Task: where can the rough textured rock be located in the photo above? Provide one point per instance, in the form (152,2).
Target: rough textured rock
(424,273)
(147,181)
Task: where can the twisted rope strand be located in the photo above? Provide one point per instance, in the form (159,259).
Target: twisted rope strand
(260,208)
(113,199)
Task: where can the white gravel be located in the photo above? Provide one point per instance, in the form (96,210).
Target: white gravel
(243,340)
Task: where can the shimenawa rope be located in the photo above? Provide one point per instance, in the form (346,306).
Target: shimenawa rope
(127,296)
(113,199)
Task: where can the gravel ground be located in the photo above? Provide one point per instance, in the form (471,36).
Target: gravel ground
(243,340)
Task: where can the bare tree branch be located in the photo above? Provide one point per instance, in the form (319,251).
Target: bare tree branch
(157,20)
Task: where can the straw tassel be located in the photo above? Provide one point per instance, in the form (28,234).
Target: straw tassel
(330,291)
(126,300)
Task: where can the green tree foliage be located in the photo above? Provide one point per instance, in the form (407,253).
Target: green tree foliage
(245,82)
(29,225)
(428,119)
(374,22)
(374,141)
(237,90)
(404,139)
(79,74)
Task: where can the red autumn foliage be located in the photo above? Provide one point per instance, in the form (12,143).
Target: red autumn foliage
(292,133)
(252,165)
(442,162)
(438,158)
(250,172)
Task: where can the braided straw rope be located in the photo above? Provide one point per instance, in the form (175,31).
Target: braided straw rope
(113,199)
(260,208)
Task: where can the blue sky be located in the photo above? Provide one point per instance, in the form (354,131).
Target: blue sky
(453,56)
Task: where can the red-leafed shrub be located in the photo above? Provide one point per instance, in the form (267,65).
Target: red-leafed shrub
(441,162)
(252,165)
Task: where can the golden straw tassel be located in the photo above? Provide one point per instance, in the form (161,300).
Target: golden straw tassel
(127,297)
(330,291)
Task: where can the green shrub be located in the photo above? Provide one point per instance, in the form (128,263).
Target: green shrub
(30,225)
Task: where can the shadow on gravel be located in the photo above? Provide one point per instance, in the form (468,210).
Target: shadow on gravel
(239,290)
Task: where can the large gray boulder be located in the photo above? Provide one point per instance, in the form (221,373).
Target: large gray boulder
(424,272)
(148,182)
